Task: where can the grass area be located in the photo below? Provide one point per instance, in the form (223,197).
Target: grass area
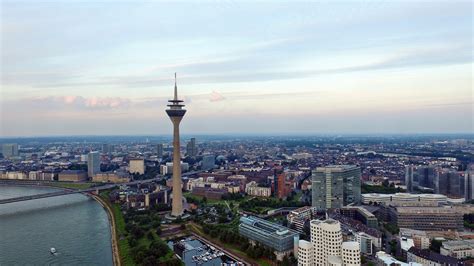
(199,198)
(124,247)
(379,189)
(71,185)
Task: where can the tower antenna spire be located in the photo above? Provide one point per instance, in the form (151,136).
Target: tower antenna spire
(175,88)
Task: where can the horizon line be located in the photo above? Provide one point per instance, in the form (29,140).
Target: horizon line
(316,134)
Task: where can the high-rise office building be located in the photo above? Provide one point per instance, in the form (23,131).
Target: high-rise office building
(409,174)
(469,183)
(327,247)
(191,149)
(107,148)
(10,150)
(176,114)
(208,162)
(159,150)
(426,176)
(421,176)
(335,186)
(449,183)
(93,163)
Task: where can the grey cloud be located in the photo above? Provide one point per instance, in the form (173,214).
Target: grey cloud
(212,72)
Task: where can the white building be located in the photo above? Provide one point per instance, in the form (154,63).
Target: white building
(14,175)
(168,168)
(460,249)
(327,246)
(137,166)
(367,243)
(385,259)
(253,189)
(301,155)
(351,254)
(299,216)
(305,253)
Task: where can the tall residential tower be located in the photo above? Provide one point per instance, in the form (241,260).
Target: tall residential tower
(176,113)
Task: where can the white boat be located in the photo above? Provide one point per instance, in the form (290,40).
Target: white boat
(53,251)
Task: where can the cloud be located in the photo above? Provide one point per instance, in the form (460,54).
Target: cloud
(79,102)
(216,97)
(228,70)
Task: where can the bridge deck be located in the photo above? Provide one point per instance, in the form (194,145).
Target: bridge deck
(71,191)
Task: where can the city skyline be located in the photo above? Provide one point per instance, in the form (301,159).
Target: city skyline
(361,67)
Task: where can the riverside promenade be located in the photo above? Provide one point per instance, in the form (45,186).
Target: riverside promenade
(113,231)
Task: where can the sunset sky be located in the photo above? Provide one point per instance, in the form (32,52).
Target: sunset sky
(107,67)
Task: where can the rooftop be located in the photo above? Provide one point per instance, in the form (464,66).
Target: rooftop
(267,227)
(337,168)
(458,244)
(433,256)
(420,210)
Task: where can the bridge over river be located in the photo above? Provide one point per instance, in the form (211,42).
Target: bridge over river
(73,191)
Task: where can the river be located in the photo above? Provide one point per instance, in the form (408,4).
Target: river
(76,225)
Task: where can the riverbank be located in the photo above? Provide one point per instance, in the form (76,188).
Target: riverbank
(113,231)
(75,225)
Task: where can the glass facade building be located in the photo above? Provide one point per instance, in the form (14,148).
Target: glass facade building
(335,186)
(267,233)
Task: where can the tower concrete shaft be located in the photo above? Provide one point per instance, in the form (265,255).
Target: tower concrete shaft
(177,204)
(176,113)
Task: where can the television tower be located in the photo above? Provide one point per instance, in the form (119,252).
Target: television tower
(176,113)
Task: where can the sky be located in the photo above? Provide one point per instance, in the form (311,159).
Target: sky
(255,67)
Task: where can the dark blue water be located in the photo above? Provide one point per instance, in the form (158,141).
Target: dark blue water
(75,225)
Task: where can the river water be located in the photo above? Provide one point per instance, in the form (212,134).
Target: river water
(76,225)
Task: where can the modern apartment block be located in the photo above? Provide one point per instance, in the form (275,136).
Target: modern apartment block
(335,186)
(327,247)
(297,218)
(275,236)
